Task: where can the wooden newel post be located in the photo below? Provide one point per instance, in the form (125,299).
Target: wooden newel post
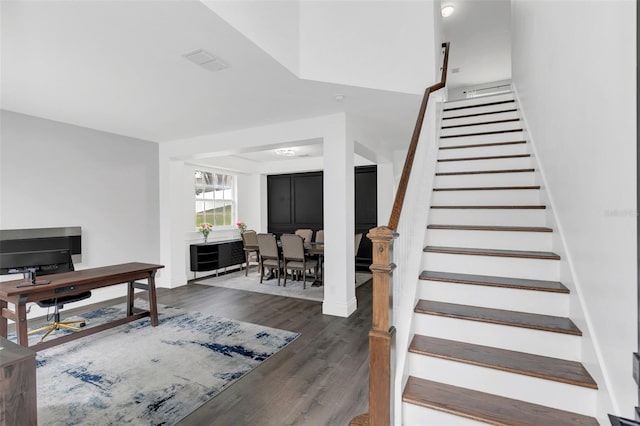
(381,334)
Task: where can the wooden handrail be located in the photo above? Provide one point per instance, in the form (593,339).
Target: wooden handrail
(381,368)
(396,211)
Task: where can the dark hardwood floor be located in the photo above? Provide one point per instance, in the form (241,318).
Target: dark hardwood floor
(319,379)
(322,378)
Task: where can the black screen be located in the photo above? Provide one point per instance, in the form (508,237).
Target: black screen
(45,262)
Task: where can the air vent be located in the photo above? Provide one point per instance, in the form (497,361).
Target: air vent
(206,60)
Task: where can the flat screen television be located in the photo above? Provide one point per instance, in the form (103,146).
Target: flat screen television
(45,262)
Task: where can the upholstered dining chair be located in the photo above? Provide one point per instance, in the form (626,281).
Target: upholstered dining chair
(306,234)
(250,246)
(269,255)
(294,258)
(320,236)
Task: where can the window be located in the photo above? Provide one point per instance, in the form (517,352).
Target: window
(214,198)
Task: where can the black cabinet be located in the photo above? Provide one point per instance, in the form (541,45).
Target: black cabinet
(295,201)
(212,256)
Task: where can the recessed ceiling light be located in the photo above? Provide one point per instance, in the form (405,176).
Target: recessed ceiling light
(447,11)
(339,98)
(285,152)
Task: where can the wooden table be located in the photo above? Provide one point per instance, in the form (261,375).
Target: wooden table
(74,282)
(317,249)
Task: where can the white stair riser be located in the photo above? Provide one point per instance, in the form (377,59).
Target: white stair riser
(483,197)
(486,179)
(495,137)
(535,269)
(484,151)
(478,110)
(479,100)
(516,217)
(483,165)
(537,342)
(479,128)
(506,240)
(415,415)
(535,302)
(481,118)
(550,393)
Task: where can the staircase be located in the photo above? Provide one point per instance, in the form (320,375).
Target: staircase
(493,342)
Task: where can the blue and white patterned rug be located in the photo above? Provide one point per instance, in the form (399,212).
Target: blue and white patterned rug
(141,375)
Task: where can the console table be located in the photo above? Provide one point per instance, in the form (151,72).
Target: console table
(217,255)
(17,385)
(74,282)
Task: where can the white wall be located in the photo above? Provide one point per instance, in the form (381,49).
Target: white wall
(54,174)
(378,44)
(385,45)
(574,66)
(272,25)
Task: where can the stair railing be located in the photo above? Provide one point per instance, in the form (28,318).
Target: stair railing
(381,336)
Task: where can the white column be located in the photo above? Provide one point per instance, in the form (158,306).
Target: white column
(338,190)
(172,234)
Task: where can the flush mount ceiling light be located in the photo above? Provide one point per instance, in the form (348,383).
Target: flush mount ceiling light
(285,152)
(447,11)
(206,60)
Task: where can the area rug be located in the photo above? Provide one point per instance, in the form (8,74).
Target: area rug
(141,375)
(238,281)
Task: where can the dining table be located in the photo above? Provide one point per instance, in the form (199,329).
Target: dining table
(314,248)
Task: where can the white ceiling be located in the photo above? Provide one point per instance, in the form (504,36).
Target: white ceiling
(118,66)
(480,36)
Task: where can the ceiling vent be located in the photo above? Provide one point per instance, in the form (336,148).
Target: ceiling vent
(206,60)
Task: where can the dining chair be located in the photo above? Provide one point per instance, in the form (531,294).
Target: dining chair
(250,247)
(306,234)
(294,258)
(320,236)
(269,255)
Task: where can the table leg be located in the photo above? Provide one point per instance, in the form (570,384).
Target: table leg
(319,281)
(130,296)
(21,325)
(153,302)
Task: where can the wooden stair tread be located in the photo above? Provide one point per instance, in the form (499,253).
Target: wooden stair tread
(489,188)
(484,407)
(491,281)
(479,105)
(480,113)
(489,157)
(482,145)
(484,123)
(493,252)
(492,132)
(507,207)
(482,172)
(499,316)
(555,369)
(491,228)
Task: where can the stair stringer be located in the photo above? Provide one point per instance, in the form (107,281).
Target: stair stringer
(591,352)
(407,248)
